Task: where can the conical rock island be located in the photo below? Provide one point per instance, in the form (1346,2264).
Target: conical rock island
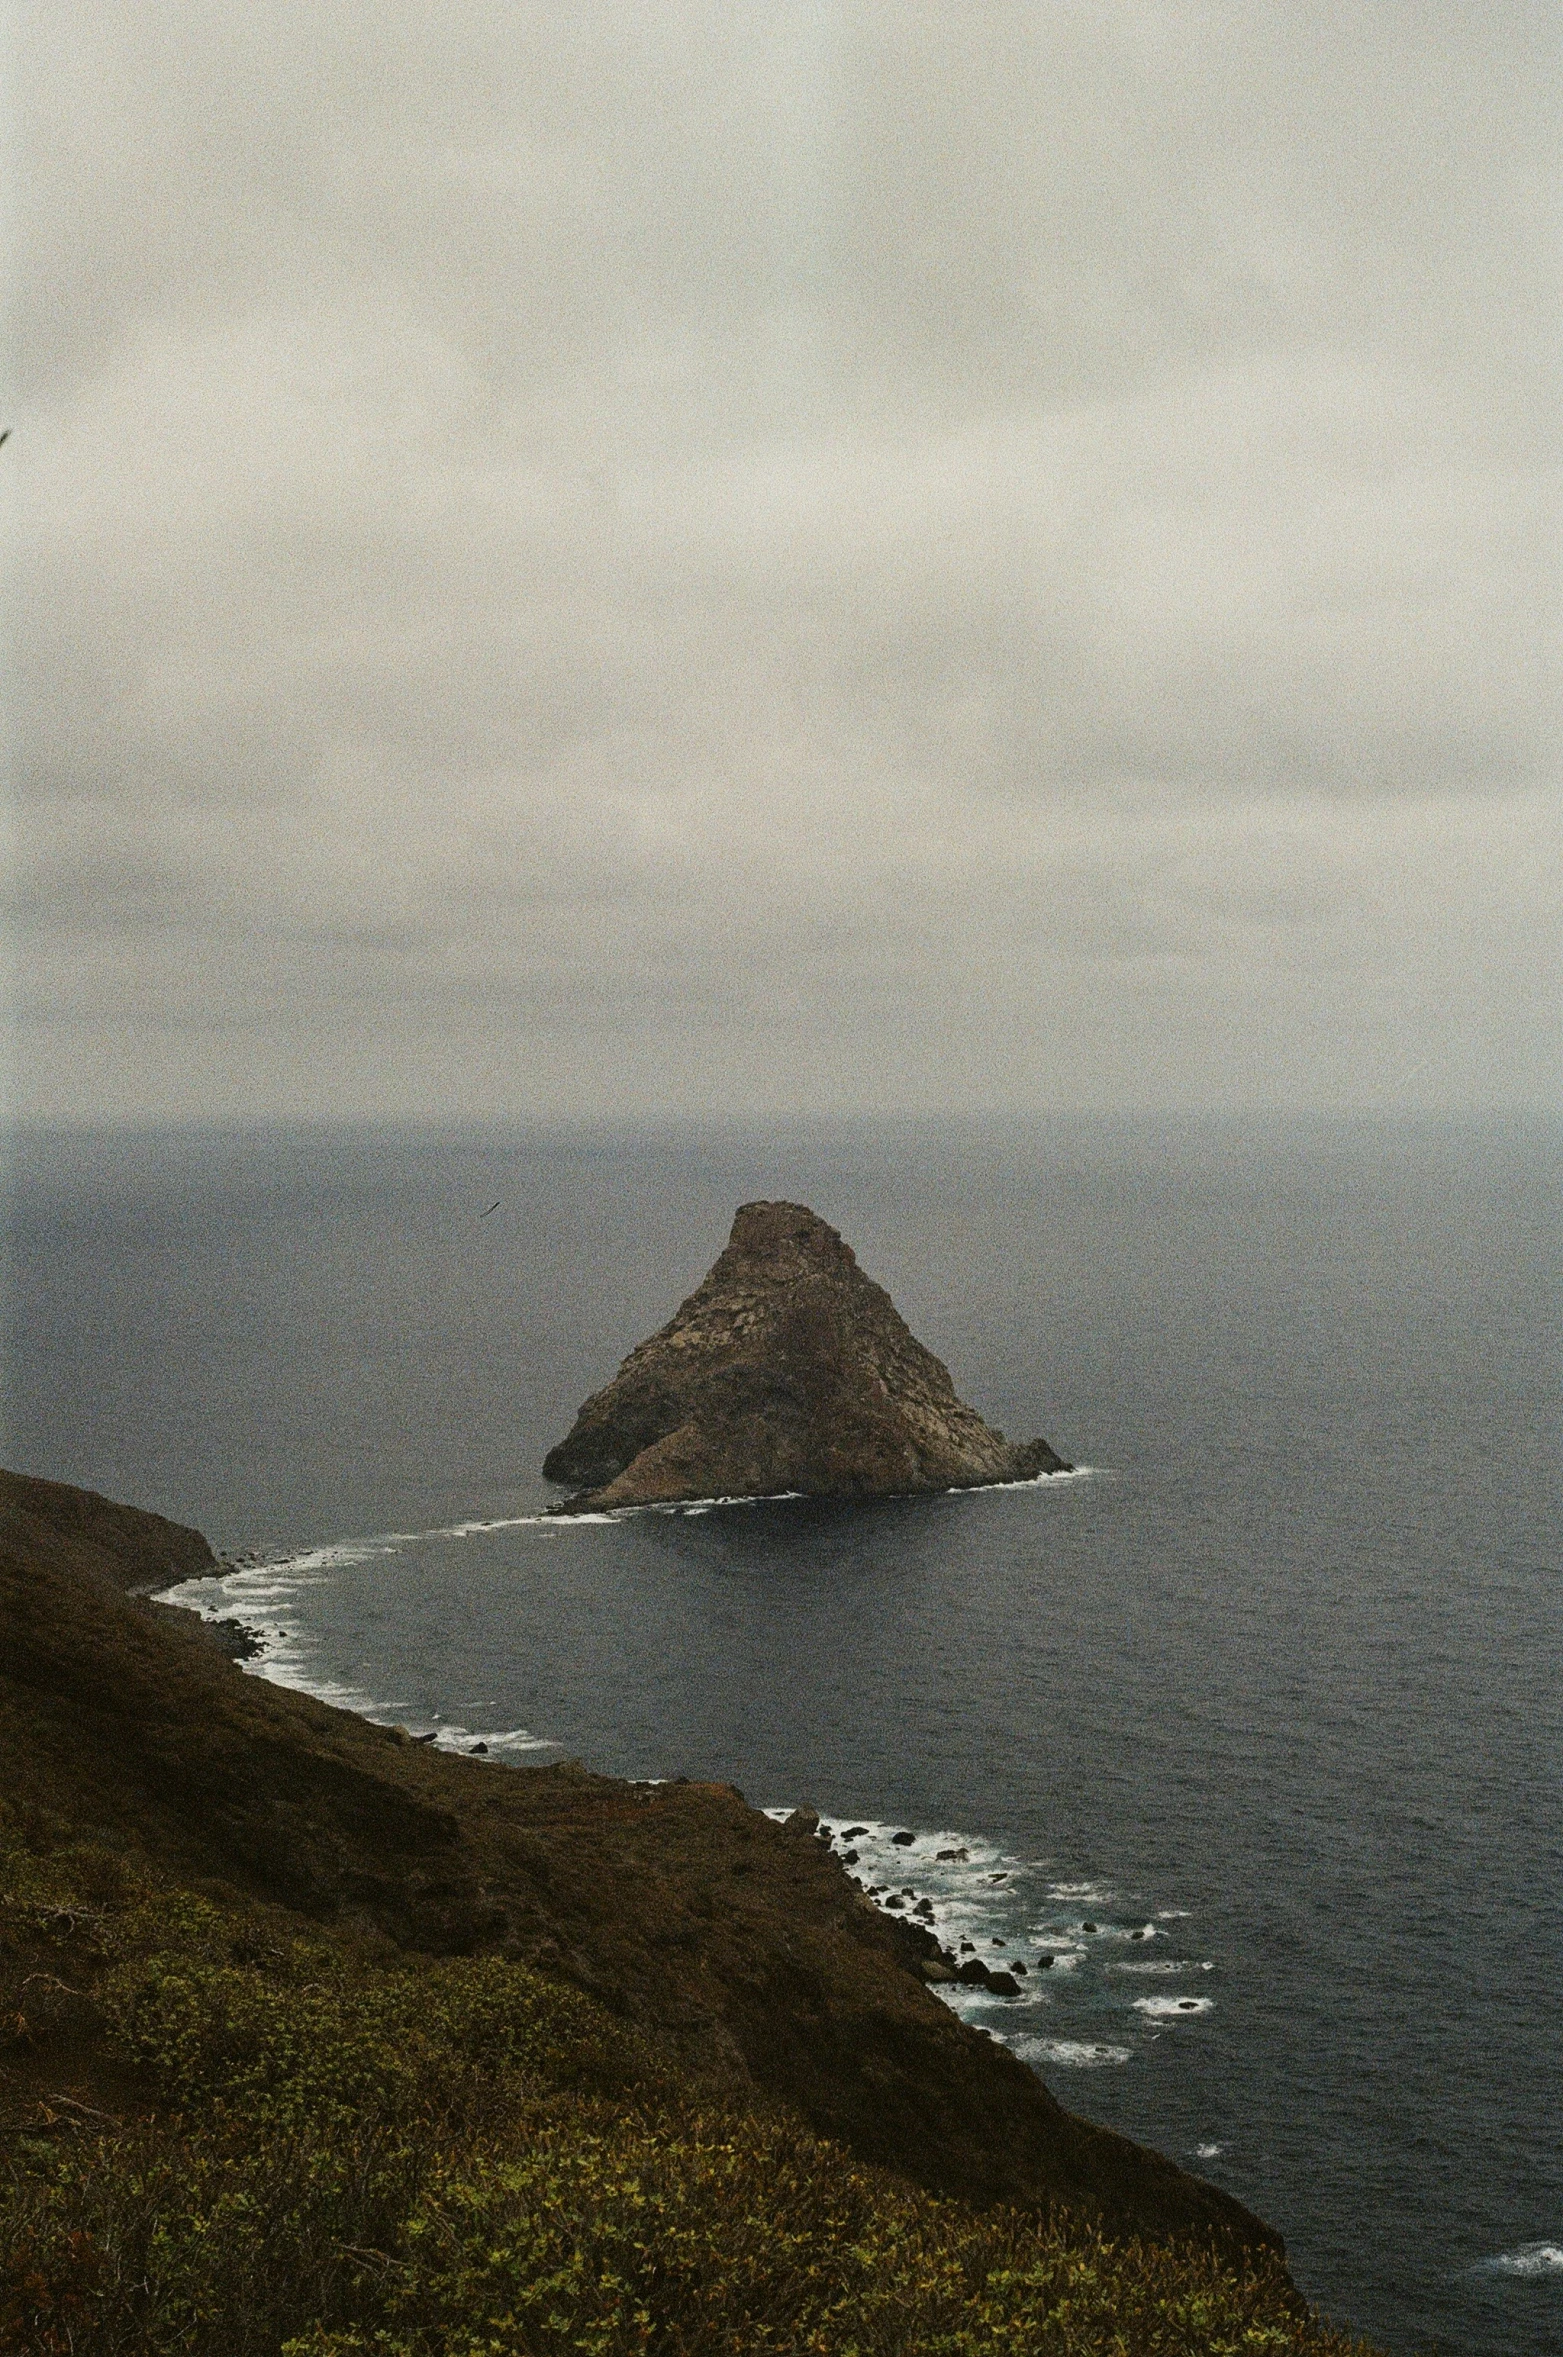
(786,1369)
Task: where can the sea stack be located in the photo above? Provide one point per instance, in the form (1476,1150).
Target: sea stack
(787,1369)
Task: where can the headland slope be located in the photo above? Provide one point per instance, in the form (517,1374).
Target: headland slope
(312,2038)
(743,1947)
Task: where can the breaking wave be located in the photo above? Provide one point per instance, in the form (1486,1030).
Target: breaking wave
(1061,1942)
(1532,2259)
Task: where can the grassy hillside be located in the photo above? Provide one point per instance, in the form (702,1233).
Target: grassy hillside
(311,2042)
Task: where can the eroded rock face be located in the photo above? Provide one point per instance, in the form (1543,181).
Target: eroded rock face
(786,1369)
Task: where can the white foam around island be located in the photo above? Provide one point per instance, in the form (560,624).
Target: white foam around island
(1065,1473)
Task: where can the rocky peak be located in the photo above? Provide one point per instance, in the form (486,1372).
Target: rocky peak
(785,1236)
(787,1369)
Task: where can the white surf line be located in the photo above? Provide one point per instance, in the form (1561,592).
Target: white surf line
(552,1518)
(562,1516)
(1064,1475)
(782,1497)
(257,1595)
(1062,1942)
(250,1592)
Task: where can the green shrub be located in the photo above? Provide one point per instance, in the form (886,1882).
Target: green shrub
(712,2241)
(350,2154)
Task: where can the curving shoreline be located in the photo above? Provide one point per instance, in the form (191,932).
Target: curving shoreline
(756,1961)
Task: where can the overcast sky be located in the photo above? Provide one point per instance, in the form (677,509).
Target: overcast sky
(784,555)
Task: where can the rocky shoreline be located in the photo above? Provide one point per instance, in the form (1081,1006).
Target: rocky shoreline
(742,1947)
(916,1942)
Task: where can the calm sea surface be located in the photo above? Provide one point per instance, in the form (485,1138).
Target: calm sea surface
(1271,1697)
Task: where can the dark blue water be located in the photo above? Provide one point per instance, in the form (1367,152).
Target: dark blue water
(1275,1687)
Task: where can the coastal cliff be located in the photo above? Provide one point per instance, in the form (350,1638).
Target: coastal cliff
(787,1369)
(740,1943)
(307,2029)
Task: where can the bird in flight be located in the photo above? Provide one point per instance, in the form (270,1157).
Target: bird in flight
(493,1207)
(5,433)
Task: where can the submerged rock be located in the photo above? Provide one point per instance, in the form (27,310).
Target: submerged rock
(786,1369)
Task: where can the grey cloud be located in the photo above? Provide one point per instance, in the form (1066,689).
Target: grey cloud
(781,533)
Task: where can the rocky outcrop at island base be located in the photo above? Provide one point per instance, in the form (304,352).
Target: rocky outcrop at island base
(787,1369)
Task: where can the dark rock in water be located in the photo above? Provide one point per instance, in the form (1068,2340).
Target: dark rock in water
(237,1639)
(923,1907)
(1044,1962)
(903,1841)
(855,1833)
(1088,1927)
(433,1736)
(478,1750)
(974,1974)
(786,1369)
(849,1857)
(1017,1966)
(951,1856)
(895,1900)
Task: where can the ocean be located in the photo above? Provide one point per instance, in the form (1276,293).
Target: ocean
(1253,1726)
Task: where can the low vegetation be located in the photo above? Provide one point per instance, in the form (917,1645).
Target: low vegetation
(229,2136)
